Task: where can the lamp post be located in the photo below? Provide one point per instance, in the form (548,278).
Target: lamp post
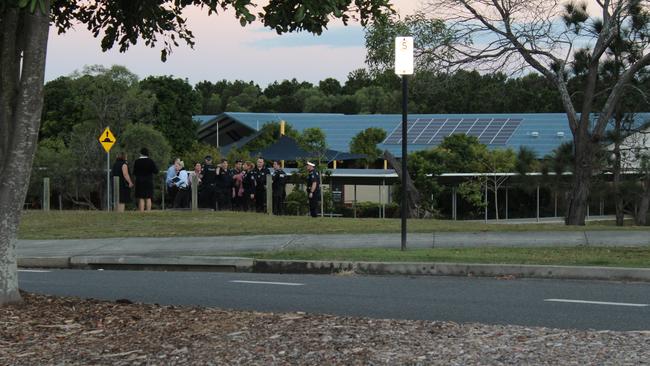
(403,68)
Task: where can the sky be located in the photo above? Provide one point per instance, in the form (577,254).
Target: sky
(226,50)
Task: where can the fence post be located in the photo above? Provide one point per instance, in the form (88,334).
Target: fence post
(46,194)
(195,192)
(269,194)
(116,192)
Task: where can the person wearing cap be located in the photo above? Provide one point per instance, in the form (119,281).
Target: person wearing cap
(209,181)
(279,191)
(313,188)
(260,172)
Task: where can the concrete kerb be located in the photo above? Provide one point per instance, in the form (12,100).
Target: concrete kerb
(240,264)
(454,269)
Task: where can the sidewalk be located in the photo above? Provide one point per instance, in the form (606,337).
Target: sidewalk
(202,253)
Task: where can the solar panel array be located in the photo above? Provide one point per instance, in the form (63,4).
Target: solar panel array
(489,131)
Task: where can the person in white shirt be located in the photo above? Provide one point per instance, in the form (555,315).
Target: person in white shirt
(182,183)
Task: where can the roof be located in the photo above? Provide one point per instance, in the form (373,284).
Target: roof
(542,132)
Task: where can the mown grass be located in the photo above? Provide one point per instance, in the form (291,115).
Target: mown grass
(576,256)
(94,224)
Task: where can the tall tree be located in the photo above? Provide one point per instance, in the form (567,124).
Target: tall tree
(24,29)
(365,142)
(545,35)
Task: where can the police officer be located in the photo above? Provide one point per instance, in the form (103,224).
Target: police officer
(279,193)
(209,182)
(224,186)
(260,172)
(313,188)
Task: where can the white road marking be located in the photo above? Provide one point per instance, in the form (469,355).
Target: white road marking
(33,270)
(598,302)
(270,283)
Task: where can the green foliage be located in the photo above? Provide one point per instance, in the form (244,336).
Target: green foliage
(55,161)
(140,135)
(428,34)
(462,154)
(269,134)
(314,141)
(175,104)
(236,154)
(297,202)
(526,161)
(196,154)
(365,142)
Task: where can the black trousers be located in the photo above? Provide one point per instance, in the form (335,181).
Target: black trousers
(260,201)
(208,198)
(182,199)
(278,204)
(171,195)
(313,205)
(224,199)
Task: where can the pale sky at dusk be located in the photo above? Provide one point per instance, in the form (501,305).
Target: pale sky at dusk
(226,50)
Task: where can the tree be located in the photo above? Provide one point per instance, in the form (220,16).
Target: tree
(269,133)
(549,37)
(24,29)
(175,104)
(314,141)
(365,142)
(330,86)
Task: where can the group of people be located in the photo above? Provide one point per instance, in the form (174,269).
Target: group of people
(242,188)
(144,170)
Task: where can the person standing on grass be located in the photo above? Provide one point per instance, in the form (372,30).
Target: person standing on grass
(121,170)
(248,182)
(144,169)
(313,188)
(238,188)
(182,199)
(224,186)
(260,173)
(171,187)
(209,171)
(279,191)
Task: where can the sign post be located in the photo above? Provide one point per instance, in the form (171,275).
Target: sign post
(404,67)
(107,140)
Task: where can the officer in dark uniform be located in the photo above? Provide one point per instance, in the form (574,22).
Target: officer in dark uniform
(279,192)
(209,182)
(313,189)
(260,172)
(224,186)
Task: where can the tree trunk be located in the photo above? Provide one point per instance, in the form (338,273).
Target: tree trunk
(641,214)
(23,44)
(579,195)
(618,195)
(413,194)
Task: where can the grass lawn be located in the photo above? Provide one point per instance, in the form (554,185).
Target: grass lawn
(578,256)
(94,224)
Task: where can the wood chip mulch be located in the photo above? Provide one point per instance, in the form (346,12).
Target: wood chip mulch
(45,330)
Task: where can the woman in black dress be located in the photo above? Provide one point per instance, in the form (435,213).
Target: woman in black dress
(121,169)
(144,169)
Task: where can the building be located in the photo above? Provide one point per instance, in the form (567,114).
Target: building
(540,132)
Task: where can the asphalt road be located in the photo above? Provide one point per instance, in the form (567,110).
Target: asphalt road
(551,303)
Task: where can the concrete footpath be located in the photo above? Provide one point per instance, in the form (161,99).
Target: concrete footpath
(215,253)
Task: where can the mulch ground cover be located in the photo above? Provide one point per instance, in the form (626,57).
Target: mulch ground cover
(45,330)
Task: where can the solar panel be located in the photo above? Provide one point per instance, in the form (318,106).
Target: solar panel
(489,131)
(430,131)
(506,132)
(446,130)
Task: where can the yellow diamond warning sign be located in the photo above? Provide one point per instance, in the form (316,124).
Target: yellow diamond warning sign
(107,139)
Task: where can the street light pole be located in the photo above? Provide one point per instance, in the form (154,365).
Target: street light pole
(404,155)
(404,67)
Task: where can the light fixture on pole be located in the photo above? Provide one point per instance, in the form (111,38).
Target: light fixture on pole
(404,67)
